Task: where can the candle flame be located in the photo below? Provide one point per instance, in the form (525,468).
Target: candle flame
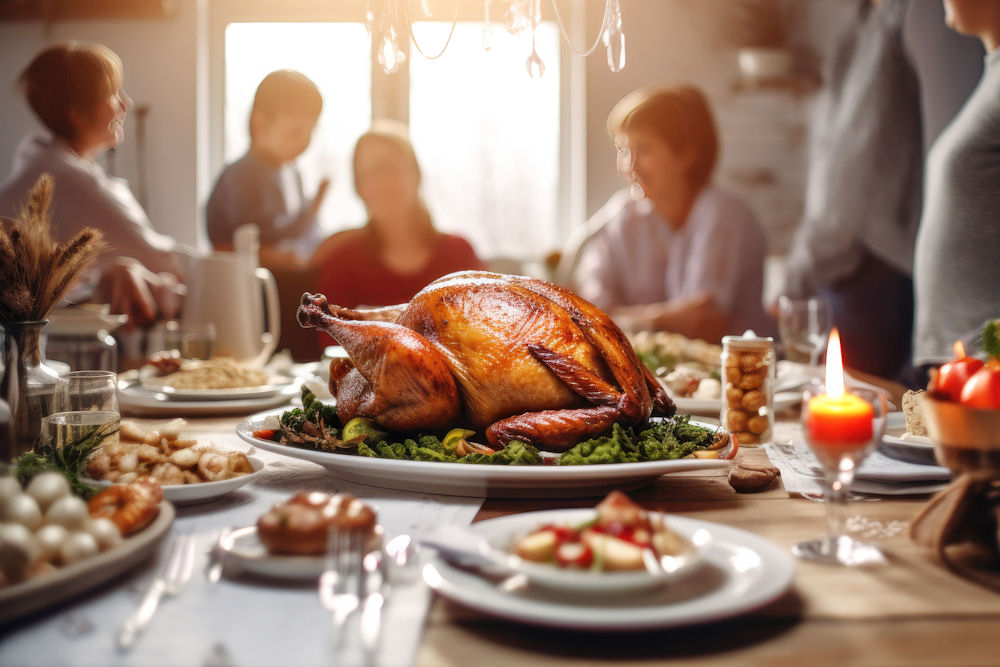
(959,349)
(834,366)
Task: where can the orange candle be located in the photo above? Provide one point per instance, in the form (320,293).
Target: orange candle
(847,419)
(837,417)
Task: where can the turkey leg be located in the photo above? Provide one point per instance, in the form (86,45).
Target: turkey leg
(399,379)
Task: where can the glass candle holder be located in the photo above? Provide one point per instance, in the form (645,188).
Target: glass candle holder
(841,430)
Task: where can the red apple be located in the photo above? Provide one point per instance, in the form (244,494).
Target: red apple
(953,375)
(983,388)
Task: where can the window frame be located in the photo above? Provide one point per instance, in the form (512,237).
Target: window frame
(390,92)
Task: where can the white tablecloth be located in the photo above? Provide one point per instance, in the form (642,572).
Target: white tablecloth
(240,621)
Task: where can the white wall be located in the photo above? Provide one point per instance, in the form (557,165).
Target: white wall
(160,71)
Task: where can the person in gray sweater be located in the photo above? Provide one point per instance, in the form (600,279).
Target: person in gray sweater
(957,259)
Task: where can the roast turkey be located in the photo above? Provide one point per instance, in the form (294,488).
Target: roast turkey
(519,357)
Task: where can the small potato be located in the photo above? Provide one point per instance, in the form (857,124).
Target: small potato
(732,361)
(78,546)
(18,550)
(47,487)
(9,487)
(734,396)
(758,424)
(752,361)
(748,438)
(753,380)
(736,420)
(70,512)
(753,400)
(50,539)
(22,509)
(734,375)
(104,532)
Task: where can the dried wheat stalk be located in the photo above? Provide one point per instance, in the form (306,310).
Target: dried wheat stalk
(37,271)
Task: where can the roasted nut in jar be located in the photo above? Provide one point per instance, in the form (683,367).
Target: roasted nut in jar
(758,424)
(736,420)
(753,400)
(751,361)
(754,379)
(748,362)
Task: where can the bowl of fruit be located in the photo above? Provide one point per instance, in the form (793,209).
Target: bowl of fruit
(962,408)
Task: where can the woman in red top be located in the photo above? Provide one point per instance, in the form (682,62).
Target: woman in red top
(398,251)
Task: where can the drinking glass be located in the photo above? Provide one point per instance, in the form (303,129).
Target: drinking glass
(839,458)
(804,325)
(74,427)
(87,390)
(193,341)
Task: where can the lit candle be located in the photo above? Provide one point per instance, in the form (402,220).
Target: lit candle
(838,418)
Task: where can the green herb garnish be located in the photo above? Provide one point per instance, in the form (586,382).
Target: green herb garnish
(70,459)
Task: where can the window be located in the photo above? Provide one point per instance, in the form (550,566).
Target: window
(487,136)
(492,142)
(313,49)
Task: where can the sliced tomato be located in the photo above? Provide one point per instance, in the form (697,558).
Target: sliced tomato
(265,433)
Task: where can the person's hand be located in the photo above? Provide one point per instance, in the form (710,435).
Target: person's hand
(321,191)
(698,316)
(133,290)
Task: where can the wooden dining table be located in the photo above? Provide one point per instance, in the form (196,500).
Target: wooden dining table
(910,610)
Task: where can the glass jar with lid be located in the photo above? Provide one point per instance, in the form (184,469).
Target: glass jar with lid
(748,371)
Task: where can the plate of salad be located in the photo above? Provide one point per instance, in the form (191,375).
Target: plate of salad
(457,463)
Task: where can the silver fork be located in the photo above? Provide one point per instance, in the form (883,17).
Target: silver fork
(342,583)
(169,581)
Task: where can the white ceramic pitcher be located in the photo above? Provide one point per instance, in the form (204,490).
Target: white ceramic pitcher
(229,290)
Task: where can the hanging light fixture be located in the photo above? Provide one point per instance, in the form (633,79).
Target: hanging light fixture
(389,22)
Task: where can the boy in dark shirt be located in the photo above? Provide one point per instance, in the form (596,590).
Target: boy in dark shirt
(264,187)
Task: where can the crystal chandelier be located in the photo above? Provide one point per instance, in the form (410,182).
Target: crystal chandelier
(389,23)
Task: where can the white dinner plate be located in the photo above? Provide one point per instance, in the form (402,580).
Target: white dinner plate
(162,384)
(35,594)
(497,546)
(135,399)
(739,572)
(912,449)
(456,479)
(242,551)
(711,407)
(202,492)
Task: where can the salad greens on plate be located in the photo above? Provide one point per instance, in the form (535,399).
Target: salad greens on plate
(316,426)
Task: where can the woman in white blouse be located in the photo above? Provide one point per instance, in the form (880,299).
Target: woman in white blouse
(76,91)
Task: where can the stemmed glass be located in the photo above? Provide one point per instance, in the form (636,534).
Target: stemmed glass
(804,325)
(842,429)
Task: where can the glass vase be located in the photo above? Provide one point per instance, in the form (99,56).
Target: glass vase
(31,396)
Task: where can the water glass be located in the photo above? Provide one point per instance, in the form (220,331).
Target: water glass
(193,341)
(74,427)
(804,325)
(87,390)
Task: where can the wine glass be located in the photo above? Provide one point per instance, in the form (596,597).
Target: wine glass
(804,325)
(841,437)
